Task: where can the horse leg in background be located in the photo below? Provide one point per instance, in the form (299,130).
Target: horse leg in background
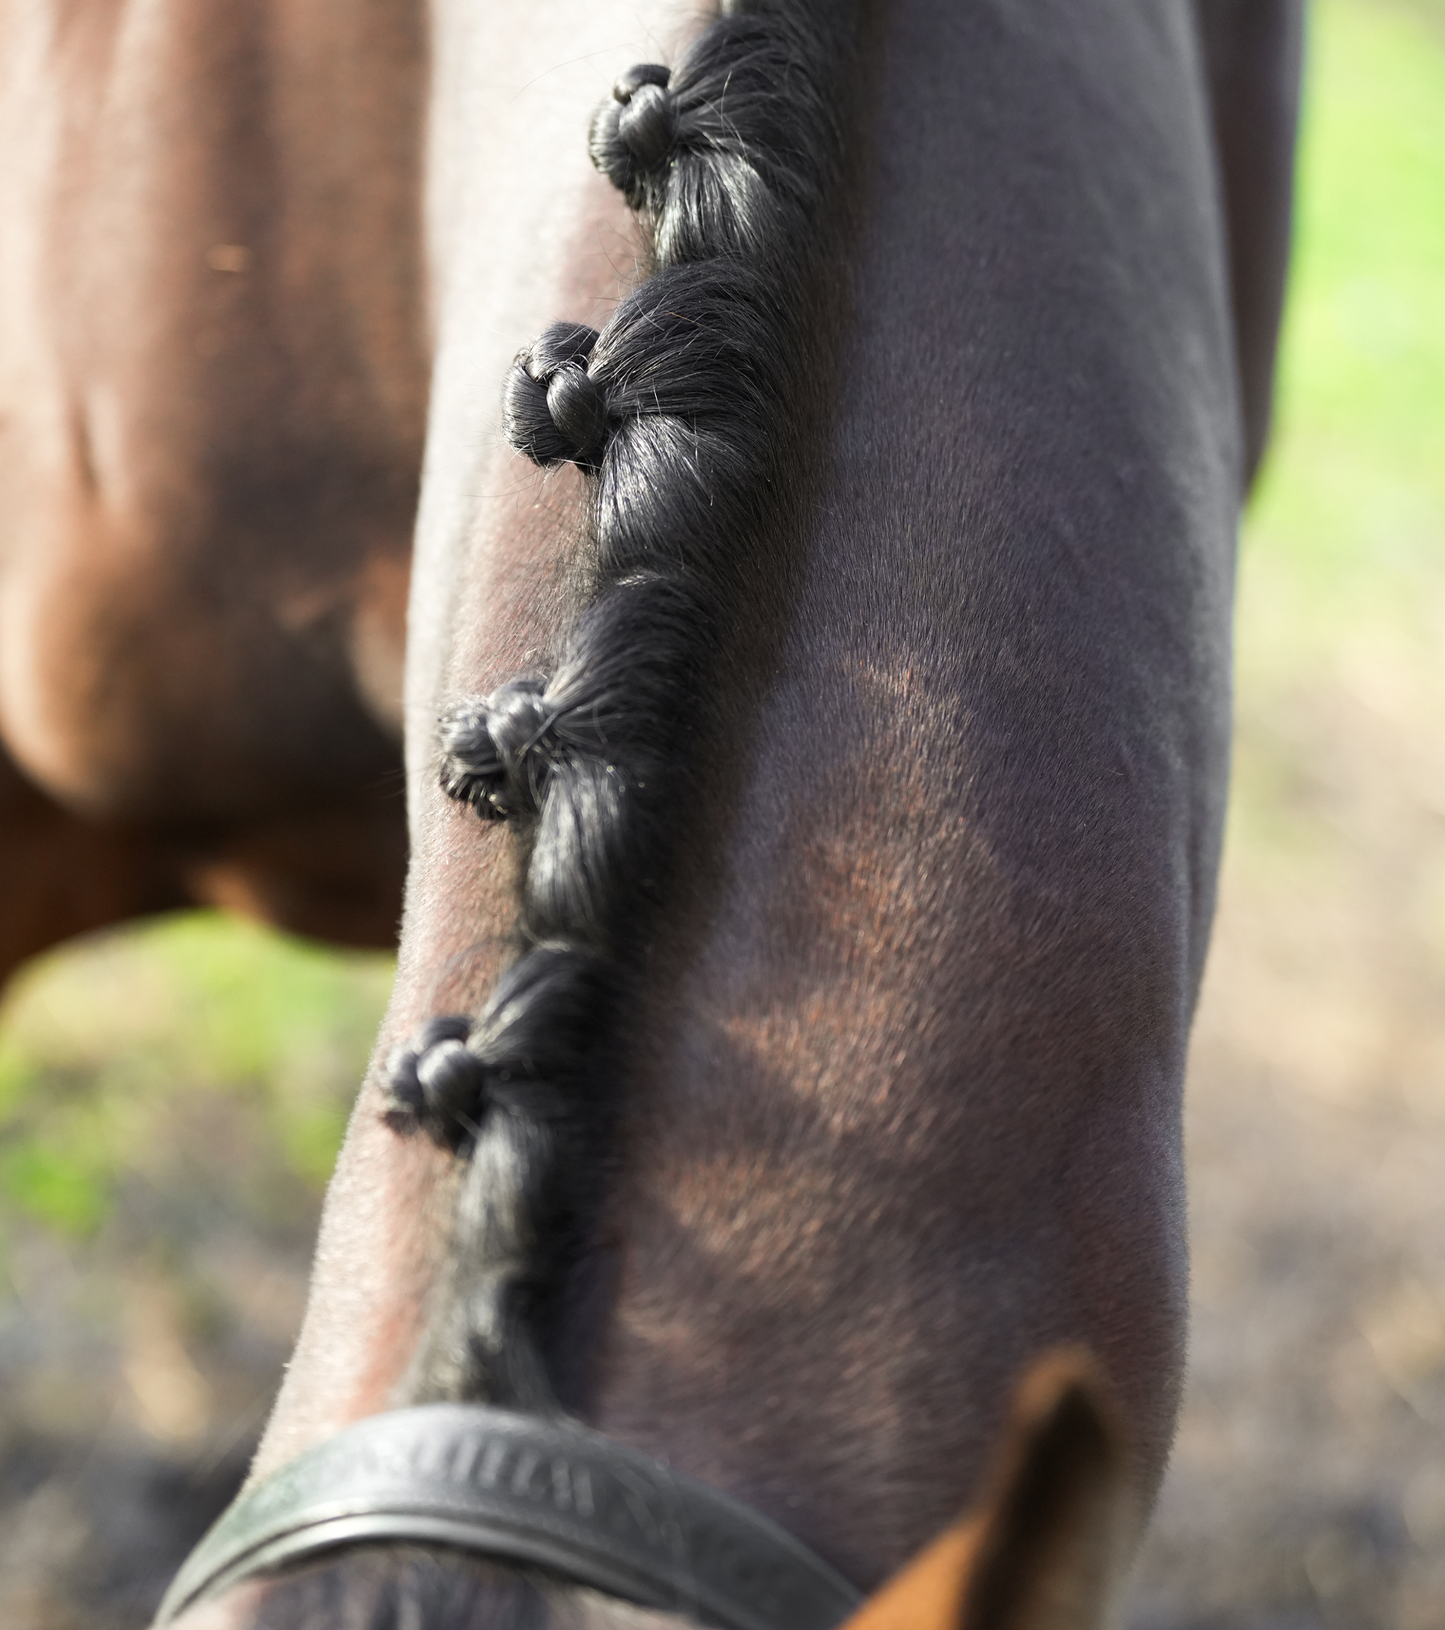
(333,874)
(62,875)
(1252,54)
(212,391)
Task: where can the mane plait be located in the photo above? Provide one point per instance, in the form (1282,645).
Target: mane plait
(676,412)
(729,152)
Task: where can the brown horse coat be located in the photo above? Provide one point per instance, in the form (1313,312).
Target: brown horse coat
(904,1107)
(213,366)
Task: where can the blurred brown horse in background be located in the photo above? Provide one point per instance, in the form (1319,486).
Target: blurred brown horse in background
(213,376)
(905,1024)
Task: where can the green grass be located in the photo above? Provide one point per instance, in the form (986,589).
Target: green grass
(1347,528)
(109,1050)
(1341,616)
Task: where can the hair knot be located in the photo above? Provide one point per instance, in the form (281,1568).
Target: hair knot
(437,1079)
(497,752)
(634,133)
(578,409)
(627,85)
(647,124)
(552,409)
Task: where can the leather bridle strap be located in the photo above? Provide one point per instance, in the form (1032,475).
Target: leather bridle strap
(516,1488)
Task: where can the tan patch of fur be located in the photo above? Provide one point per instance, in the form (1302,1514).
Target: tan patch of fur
(1043,1548)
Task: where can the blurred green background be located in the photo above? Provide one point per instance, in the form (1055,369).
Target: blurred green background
(1339,783)
(112,1048)
(171,1096)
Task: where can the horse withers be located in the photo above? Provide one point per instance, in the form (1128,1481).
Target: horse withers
(817,695)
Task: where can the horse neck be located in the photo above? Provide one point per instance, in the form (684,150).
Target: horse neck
(903,1104)
(909,1102)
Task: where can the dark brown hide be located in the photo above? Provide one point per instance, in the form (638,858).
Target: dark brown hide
(904,1103)
(212,381)
(1252,52)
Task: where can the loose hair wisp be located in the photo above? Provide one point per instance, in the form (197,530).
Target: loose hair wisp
(673,410)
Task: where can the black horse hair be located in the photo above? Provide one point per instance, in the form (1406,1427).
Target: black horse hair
(729,153)
(677,412)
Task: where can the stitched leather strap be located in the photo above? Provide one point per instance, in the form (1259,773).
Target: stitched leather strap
(521,1489)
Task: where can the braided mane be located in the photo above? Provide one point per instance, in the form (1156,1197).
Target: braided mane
(676,411)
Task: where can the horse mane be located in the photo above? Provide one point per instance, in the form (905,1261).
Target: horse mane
(678,413)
